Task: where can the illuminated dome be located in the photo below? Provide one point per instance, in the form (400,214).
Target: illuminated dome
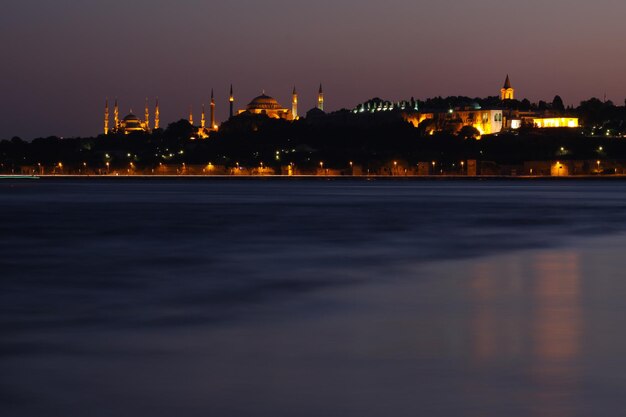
(132,123)
(264,102)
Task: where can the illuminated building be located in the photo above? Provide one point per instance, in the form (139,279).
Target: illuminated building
(231,101)
(541,120)
(157,115)
(486,121)
(213,126)
(378,105)
(203,131)
(130,123)
(549,118)
(551,122)
(507,92)
(268,106)
(320,99)
(147,114)
(106,117)
(416,118)
(294,104)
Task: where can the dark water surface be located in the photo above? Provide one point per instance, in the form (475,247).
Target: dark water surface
(312,298)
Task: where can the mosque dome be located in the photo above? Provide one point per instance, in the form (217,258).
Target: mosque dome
(264,102)
(131,118)
(132,123)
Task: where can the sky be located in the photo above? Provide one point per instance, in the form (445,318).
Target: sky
(62,58)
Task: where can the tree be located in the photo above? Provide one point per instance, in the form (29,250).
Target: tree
(469,132)
(557,103)
(180,130)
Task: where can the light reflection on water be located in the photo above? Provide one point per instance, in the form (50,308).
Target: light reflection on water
(546,327)
(311,299)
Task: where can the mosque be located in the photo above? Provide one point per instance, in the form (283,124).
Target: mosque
(270,107)
(261,105)
(130,123)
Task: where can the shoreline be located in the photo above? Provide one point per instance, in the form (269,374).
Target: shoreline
(324,177)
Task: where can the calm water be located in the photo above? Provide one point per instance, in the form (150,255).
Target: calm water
(312,298)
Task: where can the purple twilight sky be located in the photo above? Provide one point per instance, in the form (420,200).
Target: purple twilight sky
(61,58)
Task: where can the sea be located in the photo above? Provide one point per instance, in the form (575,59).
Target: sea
(312,298)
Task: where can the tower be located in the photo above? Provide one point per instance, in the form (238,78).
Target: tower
(231,100)
(106,116)
(294,103)
(202,119)
(213,126)
(156,114)
(116,116)
(147,116)
(191,115)
(507,92)
(320,99)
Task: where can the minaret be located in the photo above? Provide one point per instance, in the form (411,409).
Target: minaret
(116,115)
(147,116)
(156,114)
(320,99)
(106,116)
(212,111)
(294,103)
(231,100)
(191,115)
(202,119)
(507,92)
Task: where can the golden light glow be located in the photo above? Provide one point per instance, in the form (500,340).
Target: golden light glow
(559,169)
(547,122)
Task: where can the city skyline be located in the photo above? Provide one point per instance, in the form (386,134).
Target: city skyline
(68,57)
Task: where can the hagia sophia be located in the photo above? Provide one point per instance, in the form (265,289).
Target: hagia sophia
(485,120)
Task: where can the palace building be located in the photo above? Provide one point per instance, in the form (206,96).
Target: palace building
(541,119)
(507,92)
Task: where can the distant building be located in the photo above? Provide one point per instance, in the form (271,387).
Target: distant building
(507,92)
(486,121)
(320,98)
(130,123)
(546,122)
(516,119)
(269,107)
(376,105)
